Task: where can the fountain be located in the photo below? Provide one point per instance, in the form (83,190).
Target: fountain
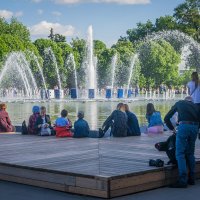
(58,92)
(133,60)
(180,41)
(113,66)
(16,73)
(90,72)
(32,55)
(48,51)
(71,59)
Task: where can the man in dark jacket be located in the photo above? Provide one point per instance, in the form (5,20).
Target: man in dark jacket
(132,123)
(188,118)
(117,121)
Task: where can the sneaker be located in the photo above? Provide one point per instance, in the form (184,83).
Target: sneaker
(101,133)
(178,185)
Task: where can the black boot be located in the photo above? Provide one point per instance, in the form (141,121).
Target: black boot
(101,133)
(179,184)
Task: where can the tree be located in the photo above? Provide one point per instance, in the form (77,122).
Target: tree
(51,35)
(56,37)
(142,30)
(15,28)
(59,38)
(159,63)
(188,18)
(99,47)
(165,23)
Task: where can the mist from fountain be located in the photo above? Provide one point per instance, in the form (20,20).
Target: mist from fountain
(181,42)
(90,73)
(48,51)
(113,67)
(71,59)
(17,71)
(32,55)
(133,61)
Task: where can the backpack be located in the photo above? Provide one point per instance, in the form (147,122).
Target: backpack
(24,128)
(169,147)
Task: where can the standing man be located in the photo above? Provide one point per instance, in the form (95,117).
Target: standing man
(188,118)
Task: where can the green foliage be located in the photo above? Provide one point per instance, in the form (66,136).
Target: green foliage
(142,30)
(159,63)
(15,28)
(56,37)
(188,18)
(165,23)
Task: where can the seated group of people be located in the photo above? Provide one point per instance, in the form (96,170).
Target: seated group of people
(125,123)
(40,124)
(122,123)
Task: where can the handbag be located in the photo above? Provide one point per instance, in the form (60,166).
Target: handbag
(45,131)
(24,128)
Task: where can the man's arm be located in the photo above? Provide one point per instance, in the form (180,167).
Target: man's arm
(169,116)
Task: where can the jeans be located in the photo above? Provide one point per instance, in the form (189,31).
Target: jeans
(185,147)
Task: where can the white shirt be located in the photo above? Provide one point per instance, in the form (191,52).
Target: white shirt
(195,92)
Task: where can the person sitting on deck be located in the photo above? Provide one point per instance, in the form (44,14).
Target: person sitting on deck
(43,123)
(33,119)
(5,123)
(117,121)
(154,119)
(81,127)
(132,123)
(63,125)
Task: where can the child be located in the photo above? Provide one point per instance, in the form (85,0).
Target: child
(63,125)
(81,127)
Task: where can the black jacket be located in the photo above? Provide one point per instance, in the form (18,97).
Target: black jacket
(118,122)
(40,121)
(133,125)
(187,111)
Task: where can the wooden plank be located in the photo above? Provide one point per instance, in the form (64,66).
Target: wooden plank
(87,191)
(136,188)
(38,175)
(137,180)
(91,183)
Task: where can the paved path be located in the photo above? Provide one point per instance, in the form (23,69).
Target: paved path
(13,191)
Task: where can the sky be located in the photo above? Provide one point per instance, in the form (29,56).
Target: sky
(110,18)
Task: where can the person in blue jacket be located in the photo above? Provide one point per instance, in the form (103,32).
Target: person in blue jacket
(155,123)
(132,123)
(81,127)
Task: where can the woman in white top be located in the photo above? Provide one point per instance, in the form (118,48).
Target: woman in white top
(194,88)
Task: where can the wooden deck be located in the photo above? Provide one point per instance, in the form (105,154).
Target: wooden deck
(106,167)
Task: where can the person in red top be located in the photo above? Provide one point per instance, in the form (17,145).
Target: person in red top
(5,123)
(63,125)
